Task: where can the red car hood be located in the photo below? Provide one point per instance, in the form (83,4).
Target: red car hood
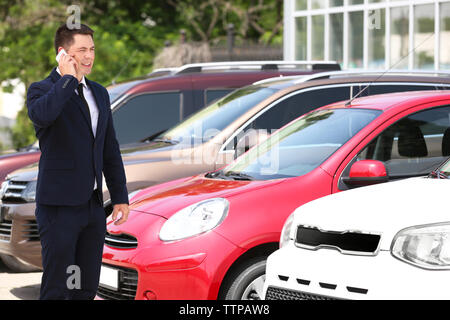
(166,201)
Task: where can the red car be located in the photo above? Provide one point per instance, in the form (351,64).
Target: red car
(208,236)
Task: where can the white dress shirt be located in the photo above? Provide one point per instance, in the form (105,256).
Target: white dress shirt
(93,109)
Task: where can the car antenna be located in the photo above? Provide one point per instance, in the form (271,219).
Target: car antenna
(348,103)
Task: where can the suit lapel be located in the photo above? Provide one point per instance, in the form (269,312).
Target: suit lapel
(55,76)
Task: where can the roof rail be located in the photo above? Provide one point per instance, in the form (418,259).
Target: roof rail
(162,71)
(257,65)
(337,74)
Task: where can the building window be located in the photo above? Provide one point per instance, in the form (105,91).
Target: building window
(317,38)
(336,3)
(444,52)
(300,5)
(355,39)
(336,52)
(317,4)
(300,39)
(399,41)
(377,39)
(380,34)
(424,36)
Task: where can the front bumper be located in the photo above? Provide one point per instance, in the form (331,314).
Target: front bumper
(328,274)
(19,235)
(192,268)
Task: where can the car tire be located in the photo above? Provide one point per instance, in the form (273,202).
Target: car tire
(247,281)
(16,265)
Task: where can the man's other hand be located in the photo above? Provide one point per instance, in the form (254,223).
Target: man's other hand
(123,210)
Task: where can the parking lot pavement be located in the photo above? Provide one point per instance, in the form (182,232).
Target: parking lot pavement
(19,286)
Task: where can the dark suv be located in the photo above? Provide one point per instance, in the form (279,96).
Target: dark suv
(145,107)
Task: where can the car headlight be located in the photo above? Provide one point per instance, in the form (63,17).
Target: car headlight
(286,231)
(195,219)
(3,188)
(425,246)
(29,193)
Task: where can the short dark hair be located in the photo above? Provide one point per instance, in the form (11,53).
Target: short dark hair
(64,35)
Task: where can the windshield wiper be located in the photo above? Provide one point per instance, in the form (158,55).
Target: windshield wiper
(239,176)
(217,175)
(153,136)
(165,140)
(438,174)
(230,175)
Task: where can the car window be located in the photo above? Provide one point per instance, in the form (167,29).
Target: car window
(145,115)
(214,94)
(206,123)
(412,146)
(374,89)
(291,108)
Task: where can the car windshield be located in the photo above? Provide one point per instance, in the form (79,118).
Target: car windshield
(301,146)
(208,122)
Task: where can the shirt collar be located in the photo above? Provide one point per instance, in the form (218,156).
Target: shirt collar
(83,80)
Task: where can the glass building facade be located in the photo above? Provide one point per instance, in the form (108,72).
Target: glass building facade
(369,34)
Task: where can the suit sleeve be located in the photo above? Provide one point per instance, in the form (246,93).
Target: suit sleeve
(44,106)
(113,169)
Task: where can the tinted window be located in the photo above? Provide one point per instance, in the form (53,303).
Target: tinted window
(145,115)
(206,123)
(293,107)
(214,94)
(302,145)
(415,145)
(389,88)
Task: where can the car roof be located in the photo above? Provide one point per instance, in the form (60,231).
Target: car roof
(387,101)
(231,70)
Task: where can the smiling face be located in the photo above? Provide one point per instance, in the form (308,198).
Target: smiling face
(83,51)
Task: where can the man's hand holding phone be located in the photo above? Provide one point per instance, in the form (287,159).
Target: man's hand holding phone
(66,64)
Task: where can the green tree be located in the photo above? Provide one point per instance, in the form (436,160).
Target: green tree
(127,36)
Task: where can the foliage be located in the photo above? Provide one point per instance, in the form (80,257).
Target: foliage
(128,35)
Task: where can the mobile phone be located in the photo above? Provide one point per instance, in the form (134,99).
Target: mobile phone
(60,54)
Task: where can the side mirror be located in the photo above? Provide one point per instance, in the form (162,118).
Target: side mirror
(366,172)
(250,139)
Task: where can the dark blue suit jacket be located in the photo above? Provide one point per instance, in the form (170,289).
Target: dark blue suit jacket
(71,156)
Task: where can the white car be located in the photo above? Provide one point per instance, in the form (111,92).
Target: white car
(387,241)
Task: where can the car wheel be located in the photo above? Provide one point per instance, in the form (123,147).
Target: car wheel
(248,281)
(16,265)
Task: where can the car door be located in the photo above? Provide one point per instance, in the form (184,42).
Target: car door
(409,145)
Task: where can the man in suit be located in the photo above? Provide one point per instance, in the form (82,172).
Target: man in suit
(72,119)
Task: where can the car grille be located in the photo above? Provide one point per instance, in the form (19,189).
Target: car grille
(347,242)
(283,294)
(5,230)
(30,230)
(128,280)
(13,192)
(120,241)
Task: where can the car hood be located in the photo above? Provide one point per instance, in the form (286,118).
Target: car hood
(131,154)
(28,173)
(385,208)
(166,201)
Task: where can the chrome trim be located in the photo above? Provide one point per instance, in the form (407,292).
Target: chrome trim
(347,252)
(248,64)
(330,74)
